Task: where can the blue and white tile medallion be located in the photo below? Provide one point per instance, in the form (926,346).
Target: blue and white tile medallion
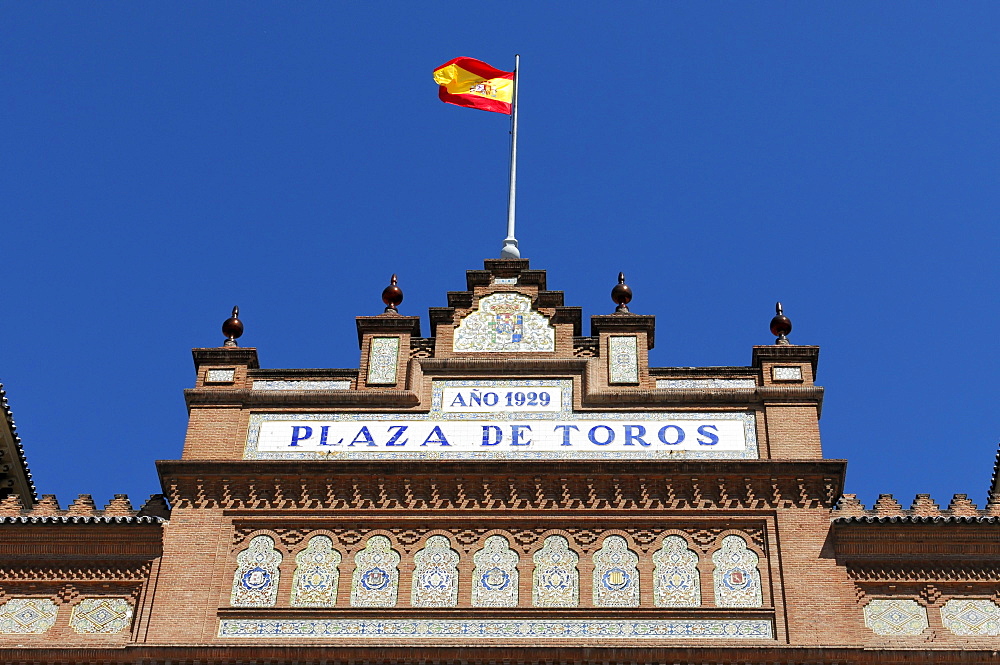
(435,574)
(504,322)
(971,617)
(376,574)
(737,580)
(676,582)
(601,631)
(317,575)
(616,578)
(495,579)
(556,580)
(27,615)
(503,419)
(895,617)
(101,616)
(255,583)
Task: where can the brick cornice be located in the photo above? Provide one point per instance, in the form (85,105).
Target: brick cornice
(514,485)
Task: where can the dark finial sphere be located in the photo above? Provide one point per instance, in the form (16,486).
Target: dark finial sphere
(232,327)
(781,325)
(621,294)
(392,295)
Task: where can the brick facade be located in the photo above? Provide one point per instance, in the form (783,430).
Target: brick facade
(595,559)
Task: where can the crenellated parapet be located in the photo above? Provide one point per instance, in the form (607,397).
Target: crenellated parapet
(83,510)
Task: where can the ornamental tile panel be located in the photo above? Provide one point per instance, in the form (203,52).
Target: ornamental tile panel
(494,581)
(971,617)
(737,580)
(556,580)
(316,574)
(602,632)
(676,582)
(339,384)
(101,616)
(383,360)
(623,359)
(376,575)
(681,384)
(616,578)
(255,583)
(504,322)
(27,615)
(220,376)
(435,575)
(890,616)
(786,373)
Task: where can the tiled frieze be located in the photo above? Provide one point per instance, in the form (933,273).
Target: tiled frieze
(504,322)
(27,615)
(383,360)
(316,574)
(337,384)
(494,581)
(616,578)
(895,616)
(556,580)
(104,616)
(376,574)
(683,384)
(971,617)
(737,580)
(606,631)
(435,574)
(623,359)
(676,582)
(255,583)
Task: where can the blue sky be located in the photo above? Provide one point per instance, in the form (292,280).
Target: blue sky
(161,162)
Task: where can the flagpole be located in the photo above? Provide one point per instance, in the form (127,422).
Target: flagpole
(510,250)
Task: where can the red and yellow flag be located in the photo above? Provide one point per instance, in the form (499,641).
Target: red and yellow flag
(473,83)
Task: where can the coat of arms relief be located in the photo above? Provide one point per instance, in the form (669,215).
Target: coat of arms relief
(505,322)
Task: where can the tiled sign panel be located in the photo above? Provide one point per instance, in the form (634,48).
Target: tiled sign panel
(505,419)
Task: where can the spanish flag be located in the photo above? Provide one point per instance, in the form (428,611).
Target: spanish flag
(473,83)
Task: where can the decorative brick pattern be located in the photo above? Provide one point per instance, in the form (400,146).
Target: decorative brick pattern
(383,361)
(27,615)
(101,616)
(435,574)
(317,575)
(676,582)
(895,617)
